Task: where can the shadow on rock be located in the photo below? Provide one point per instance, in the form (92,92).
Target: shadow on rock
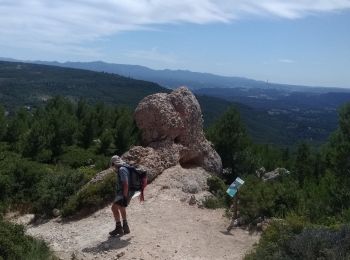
(227,233)
(112,243)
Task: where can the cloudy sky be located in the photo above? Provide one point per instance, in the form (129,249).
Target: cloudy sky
(298,42)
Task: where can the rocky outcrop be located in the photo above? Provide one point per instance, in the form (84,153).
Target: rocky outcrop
(172,133)
(268,176)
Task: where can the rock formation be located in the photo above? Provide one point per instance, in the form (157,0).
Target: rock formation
(268,176)
(172,133)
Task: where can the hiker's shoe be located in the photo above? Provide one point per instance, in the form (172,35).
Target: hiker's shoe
(117,231)
(126,229)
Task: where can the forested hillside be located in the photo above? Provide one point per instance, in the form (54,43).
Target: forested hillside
(31,85)
(310,116)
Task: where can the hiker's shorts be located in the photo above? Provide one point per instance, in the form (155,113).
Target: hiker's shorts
(119,198)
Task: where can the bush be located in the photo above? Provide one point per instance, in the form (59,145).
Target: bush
(54,189)
(213,203)
(91,197)
(14,244)
(296,239)
(216,185)
(220,200)
(268,199)
(19,179)
(321,243)
(32,186)
(76,157)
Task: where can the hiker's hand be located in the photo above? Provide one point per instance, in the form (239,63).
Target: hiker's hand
(125,202)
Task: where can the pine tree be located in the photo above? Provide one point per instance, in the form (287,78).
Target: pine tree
(231,142)
(303,163)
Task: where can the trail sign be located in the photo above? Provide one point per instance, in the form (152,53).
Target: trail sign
(233,188)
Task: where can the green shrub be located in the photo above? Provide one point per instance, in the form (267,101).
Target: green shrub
(268,199)
(213,203)
(14,244)
(35,187)
(87,171)
(76,157)
(19,179)
(54,189)
(220,200)
(216,185)
(294,238)
(91,197)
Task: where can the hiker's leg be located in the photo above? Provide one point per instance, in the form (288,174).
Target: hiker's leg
(125,222)
(122,211)
(115,210)
(118,226)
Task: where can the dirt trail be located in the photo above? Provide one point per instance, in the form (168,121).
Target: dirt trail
(162,227)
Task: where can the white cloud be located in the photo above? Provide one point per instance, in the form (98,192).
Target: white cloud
(72,23)
(286,61)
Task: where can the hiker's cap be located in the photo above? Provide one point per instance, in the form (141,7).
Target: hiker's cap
(116,160)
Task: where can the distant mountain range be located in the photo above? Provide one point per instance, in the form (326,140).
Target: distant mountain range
(175,78)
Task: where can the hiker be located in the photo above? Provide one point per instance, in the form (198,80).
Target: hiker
(123,196)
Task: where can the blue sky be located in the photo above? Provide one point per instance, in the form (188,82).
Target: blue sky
(297,42)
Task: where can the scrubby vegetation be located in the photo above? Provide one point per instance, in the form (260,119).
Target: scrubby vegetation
(14,244)
(294,238)
(90,198)
(221,199)
(315,190)
(47,155)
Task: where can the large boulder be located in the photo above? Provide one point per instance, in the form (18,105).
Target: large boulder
(172,134)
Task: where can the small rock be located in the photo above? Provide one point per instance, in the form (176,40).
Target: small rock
(192,200)
(56,213)
(259,226)
(121,254)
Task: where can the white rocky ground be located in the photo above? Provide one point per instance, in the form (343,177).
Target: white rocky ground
(165,226)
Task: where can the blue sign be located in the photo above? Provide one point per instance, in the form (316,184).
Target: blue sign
(232,190)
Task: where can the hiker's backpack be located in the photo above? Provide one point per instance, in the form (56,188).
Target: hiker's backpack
(137,180)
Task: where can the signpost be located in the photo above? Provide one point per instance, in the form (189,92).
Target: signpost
(233,189)
(233,192)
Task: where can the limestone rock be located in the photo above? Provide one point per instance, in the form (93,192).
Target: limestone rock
(173,140)
(268,176)
(191,181)
(172,131)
